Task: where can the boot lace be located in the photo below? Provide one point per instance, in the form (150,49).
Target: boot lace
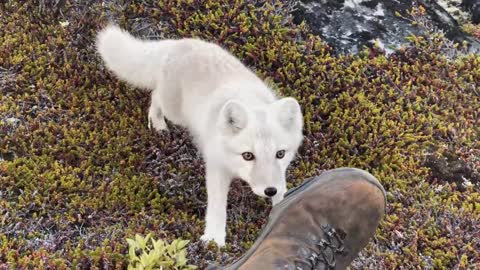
(327,247)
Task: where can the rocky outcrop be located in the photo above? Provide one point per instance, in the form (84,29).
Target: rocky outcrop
(349,25)
(472,6)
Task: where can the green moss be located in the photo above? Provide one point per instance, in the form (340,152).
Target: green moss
(81,172)
(472,29)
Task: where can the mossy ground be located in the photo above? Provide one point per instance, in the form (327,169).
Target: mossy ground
(80,172)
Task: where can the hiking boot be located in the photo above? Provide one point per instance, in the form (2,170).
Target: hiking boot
(322,224)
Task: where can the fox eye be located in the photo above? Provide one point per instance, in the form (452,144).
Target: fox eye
(280,154)
(248,156)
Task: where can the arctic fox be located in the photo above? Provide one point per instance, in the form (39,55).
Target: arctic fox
(241,129)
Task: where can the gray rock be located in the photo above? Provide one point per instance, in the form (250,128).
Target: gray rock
(349,25)
(472,6)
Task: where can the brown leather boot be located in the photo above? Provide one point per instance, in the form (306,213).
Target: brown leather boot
(322,224)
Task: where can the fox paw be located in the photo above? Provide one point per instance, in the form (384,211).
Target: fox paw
(220,241)
(158,124)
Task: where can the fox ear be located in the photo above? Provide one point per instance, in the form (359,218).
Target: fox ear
(289,113)
(233,117)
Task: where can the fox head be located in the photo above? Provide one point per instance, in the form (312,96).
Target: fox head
(260,142)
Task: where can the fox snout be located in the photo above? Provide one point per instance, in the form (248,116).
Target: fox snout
(270,191)
(267,180)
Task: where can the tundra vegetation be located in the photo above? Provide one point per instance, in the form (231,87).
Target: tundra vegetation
(80,172)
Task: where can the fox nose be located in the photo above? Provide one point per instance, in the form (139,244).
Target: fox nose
(270,191)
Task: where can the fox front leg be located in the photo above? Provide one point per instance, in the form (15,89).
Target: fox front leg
(216,217)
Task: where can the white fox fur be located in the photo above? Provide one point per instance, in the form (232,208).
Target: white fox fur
(228,110)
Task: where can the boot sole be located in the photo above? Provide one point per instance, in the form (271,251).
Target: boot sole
(293,194)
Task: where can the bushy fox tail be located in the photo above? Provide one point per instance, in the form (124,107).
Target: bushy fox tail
(138,62)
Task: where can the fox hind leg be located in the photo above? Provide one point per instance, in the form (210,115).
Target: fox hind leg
(156,118)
